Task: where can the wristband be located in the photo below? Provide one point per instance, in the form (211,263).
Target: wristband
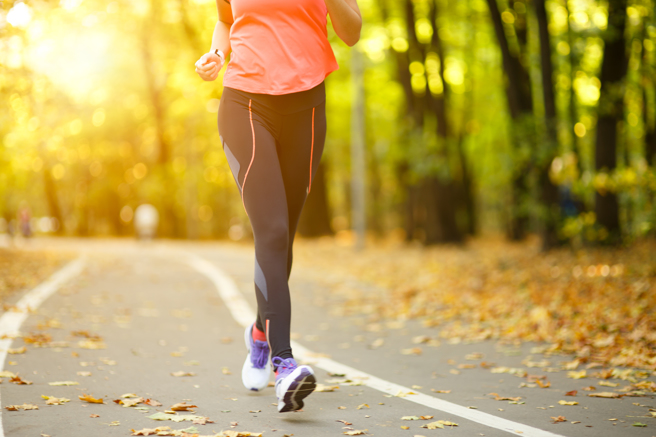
(220,54)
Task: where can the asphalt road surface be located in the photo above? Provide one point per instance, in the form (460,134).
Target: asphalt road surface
(137,313)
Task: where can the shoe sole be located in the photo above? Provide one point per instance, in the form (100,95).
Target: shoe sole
(299,389)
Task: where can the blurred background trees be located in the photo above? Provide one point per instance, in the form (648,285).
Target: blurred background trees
(532,116)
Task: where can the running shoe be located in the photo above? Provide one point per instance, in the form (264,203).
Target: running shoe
(256,371)
(293,383)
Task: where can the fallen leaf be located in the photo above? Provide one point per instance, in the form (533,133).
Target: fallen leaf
(559,419)
(182,373)
(411,351)
(175,417)
(88,398)
(638,424)
(568,403)
(325,388)
(16,351)
(129,402)
(225,371)
(571,393)
(255,411)
(93,415)
(361,406)
(51,400)
(57,383)
(152,403)
(344,422)
(241,434)
(183,406)
(440,391)
(405,427)
(410,418)
(17,380)
(341,408)
(91,344)
(504,398)
(605,394)
(577,375)
(355,432)
(467,366)
(433,425)
(202,421)
(82,373)
(24,407)
(609,384)
(543,384)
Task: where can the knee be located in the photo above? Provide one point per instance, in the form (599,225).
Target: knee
(274,237)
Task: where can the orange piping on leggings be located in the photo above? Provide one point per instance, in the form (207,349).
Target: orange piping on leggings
(311,153)
(243,186)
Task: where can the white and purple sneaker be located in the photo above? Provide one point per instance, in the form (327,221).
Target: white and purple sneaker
(293,383)
(256,371)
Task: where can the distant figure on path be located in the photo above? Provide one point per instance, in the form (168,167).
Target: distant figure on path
(272,121)
(24,220)
(146,219)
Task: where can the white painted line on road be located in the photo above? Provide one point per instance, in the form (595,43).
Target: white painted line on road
(244,315)
(12,319)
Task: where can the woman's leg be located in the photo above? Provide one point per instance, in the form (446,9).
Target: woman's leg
(302,141)
(247,132)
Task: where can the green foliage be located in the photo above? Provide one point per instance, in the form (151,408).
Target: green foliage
(103,101)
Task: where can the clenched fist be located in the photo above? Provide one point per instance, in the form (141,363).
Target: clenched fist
(208,66)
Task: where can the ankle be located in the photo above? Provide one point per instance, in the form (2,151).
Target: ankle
(258,335)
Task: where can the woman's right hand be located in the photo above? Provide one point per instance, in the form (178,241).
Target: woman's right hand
(208,66)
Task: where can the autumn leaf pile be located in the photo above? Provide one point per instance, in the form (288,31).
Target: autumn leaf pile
(21,269)
(596,303)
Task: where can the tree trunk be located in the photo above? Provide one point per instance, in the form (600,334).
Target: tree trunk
(610,113)
(520,105)
(548,190)
(648,100)
(573,114)
(315,218)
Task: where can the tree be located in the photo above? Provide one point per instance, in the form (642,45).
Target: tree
(520,105)
(549,147)
(610,114)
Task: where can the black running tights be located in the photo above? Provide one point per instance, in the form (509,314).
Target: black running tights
(273,144)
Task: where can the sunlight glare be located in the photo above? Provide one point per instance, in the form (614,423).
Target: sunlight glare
(20,15)
(69,5)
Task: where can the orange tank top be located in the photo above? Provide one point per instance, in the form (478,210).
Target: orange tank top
(278,46)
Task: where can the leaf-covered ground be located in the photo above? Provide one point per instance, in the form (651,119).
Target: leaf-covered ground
(597,304)
(20,269)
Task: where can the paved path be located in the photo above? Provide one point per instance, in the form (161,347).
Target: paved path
(157,314)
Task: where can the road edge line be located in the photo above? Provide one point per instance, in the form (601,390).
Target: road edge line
(11,321)
(244,315)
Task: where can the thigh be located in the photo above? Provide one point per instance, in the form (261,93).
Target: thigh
(301,147)
(251,151)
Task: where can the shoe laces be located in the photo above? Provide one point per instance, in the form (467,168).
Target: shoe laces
(260,354)
(284,366)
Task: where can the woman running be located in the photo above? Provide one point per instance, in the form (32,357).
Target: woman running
(272,121)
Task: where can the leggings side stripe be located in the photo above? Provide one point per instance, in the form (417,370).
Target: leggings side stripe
(311,153)
(243,186)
